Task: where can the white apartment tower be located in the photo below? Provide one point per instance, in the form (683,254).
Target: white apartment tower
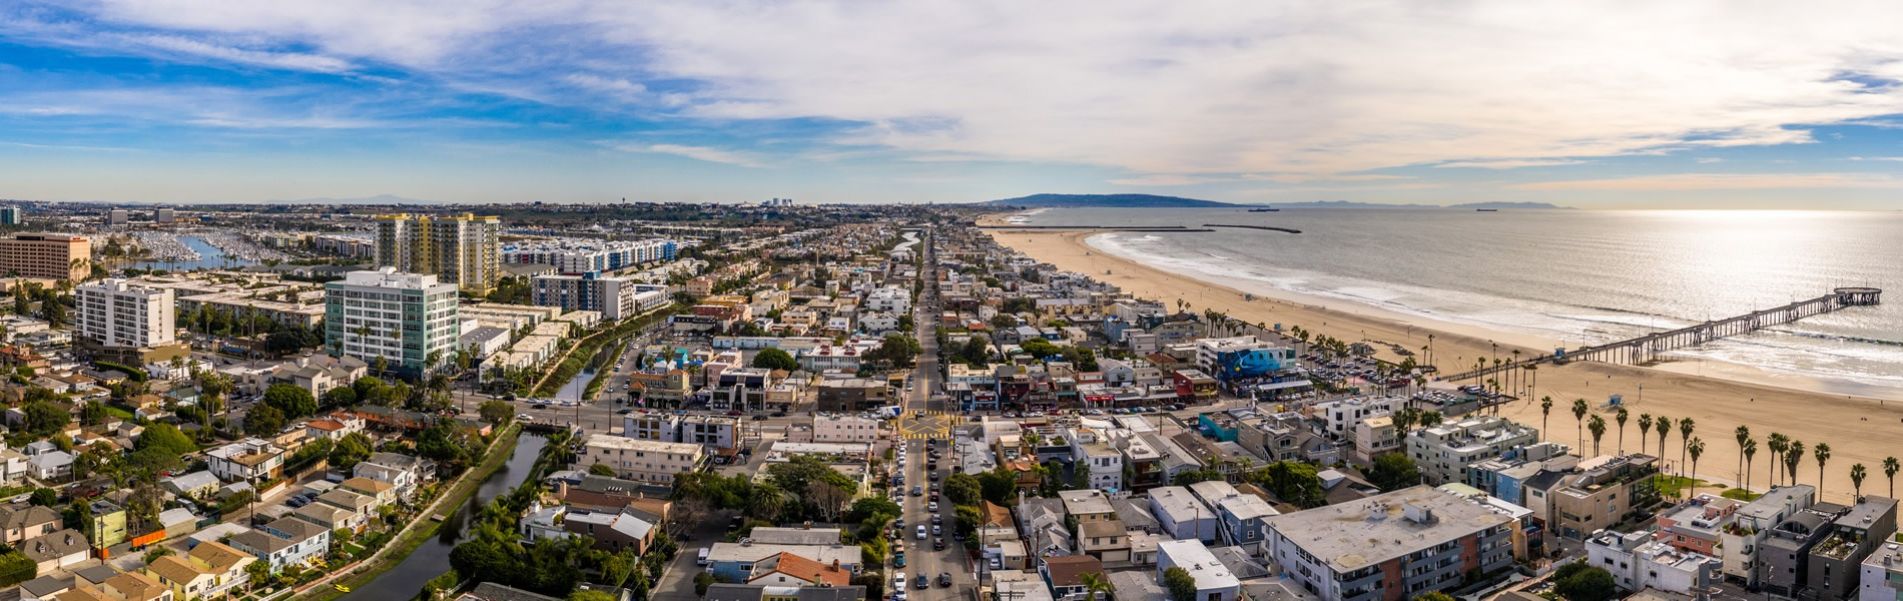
(403,318)
(121,314)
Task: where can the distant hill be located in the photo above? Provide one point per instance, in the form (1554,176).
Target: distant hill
(1507,205)
(1143,201)
(380,199)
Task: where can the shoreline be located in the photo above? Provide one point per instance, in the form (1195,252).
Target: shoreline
(1859,430)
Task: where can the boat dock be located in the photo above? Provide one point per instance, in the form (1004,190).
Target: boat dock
(1645,349)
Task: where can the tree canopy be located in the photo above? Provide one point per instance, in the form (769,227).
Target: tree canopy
(773,358)
(1393,471)
(1180,584)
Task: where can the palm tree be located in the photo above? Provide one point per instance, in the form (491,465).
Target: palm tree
(1696,447)
(1743,434)
(1645,428)
(1579,420)
(1889,471)
(1620,417)
(1793,456)
(1778,444)
(1596,425)
(1856,477)
(1095,583)
(1664,426)
(1546,410)
(1750,449)
(1685,427)
(1822,453)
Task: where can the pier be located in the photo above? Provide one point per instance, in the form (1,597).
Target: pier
(1645,349)
(1155,229)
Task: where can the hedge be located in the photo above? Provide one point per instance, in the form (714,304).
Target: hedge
(15,568)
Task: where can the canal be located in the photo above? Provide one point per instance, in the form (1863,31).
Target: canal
(432,558)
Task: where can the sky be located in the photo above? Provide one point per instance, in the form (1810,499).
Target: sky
(1693,104)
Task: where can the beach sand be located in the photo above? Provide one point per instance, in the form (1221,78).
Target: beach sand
(1858,430)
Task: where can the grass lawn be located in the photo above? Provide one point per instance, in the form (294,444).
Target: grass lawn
(1675,486)
(1742,495)
(465,487)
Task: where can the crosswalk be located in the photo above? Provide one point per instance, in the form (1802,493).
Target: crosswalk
(941,434)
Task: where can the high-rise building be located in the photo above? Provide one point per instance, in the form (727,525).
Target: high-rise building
(50,256)
(121,314)
(117,217)
(12,216)
(464,250)
(403,318)
(165,215)
(615,298)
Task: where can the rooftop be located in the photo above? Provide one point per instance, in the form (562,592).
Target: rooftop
(1351,536)
(1196,559)
(1085,502)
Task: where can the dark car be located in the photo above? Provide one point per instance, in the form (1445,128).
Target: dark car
(944,579)
(917,492)
(539,406)
(938,544)
(923,582)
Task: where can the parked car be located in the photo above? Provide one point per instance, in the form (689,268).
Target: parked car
(921,532)
(944,579)
(898,580)
(924,582)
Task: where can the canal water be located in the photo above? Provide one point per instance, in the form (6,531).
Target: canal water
(432,558)
(209,257)
(572,391)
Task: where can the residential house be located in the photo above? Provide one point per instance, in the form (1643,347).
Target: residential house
(1214,581)
(284,542)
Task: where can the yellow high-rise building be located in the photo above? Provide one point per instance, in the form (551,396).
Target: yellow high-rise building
(464,249)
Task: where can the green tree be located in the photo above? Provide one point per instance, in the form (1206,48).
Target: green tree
(602,469)
(1096,586)
(350,450)
(1578,582)
(703,581)
(1293,482)
(872,508)
(495,411)
(46,417)
(1393,471)
(1000,485)
(590,595)
(294,401)
(341,396)
(773,358)
(1579,418)
(963,489)
(45,497)
(1434,596)
(263,419)
(1180,584)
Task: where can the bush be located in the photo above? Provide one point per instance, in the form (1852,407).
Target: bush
(702,581)
(16,568)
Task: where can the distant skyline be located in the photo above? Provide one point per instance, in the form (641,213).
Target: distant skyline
(1592,105)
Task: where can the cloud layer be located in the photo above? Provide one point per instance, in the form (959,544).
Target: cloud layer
(1169,94)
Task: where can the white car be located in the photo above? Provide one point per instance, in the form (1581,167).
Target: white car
(921,536)
(898,580)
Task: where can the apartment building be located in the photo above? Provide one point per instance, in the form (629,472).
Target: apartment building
(1882,574)
(1445,452)
(1181,515)
(614,297)
(462,249)
(1339,419)
(647,461)
(1858,532)
(47,256)
(584,256)
(1087,505)
(405,319)
(1603,492)
(1214,582)
(116,313)
(1637,562)
(248,460)
(284,542)
(1752,524)
(1785,555)
(1389,547)
(1376,436)
(845,428)
(12,216)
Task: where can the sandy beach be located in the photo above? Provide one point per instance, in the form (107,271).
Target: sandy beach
(1858,430)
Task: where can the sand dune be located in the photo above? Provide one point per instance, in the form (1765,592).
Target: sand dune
(1858,430)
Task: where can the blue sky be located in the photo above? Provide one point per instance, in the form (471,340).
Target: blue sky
(1695,105)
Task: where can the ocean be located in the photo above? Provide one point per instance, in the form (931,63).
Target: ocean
(1575,277)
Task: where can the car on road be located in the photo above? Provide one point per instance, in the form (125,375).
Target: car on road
(936,530)
(525,417)
(938,518)
(917,492)
(944,579)
(932,507)
(898,559)
(921,532)
(898,580)
(701,559)
(923,582)
(938,544)
(539,406)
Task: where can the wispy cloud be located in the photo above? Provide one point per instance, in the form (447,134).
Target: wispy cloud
(698,153)
(1889,159)
(1718,181)
(1508,163)
(1162,179)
